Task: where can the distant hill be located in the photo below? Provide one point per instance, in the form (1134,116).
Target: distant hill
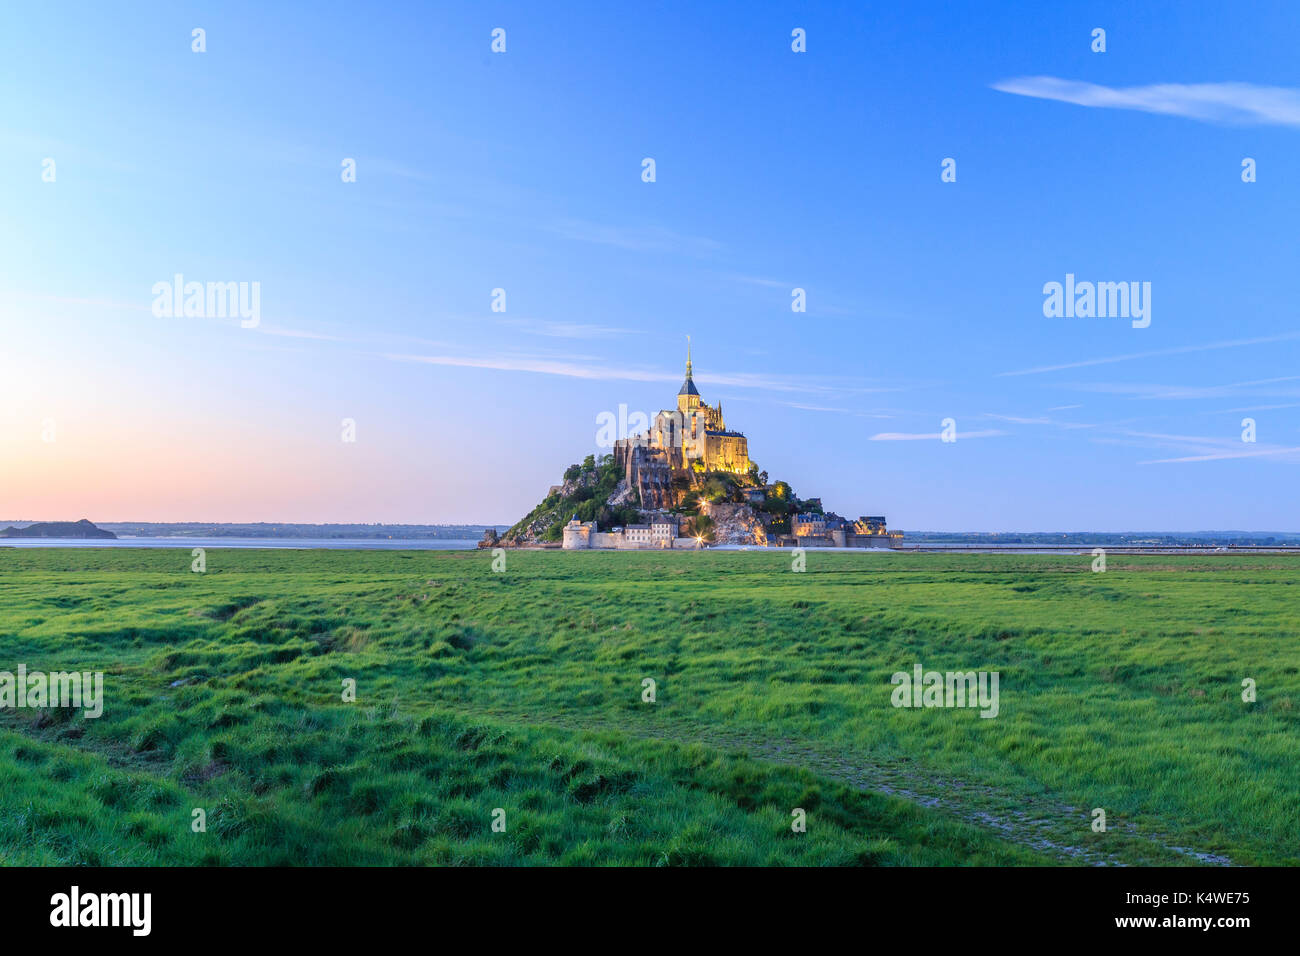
(350,532)
(1161,539)
(57,529)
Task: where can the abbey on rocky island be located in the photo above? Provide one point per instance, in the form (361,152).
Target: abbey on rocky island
(691,479)
(691,439)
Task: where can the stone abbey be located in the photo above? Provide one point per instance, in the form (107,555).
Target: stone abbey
(691,439)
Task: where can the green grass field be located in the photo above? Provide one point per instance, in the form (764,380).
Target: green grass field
(522,691)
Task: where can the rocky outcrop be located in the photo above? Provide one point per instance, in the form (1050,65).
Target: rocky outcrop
(623,494)
(490,539)
(594,493)
(572,486)
(734,523)
(529,531)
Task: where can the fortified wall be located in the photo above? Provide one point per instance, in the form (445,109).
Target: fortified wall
(661,533)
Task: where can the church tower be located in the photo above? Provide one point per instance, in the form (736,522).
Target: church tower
(688,396)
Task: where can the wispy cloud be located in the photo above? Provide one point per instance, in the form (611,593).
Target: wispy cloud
(815,408)
(786,383)
(1251,408)
(1040,420)
(1179,350)
(300,334)
(635,238)
(1197,448)
(1018,420)
(525,363)
(592,368)
(568,330)
(1224,455)
(933,436)
(1243,103)
(1184,392)
(757,280)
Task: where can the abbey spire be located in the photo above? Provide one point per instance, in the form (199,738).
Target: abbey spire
(688,396)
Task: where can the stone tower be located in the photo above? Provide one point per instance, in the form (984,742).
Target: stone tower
(688,396)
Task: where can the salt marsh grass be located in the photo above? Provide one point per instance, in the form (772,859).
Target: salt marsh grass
(523,691)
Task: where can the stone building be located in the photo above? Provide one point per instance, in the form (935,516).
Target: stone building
(650,475)
(870,524)
(691,437)
(663,528)
(577,534)
(659,531)
(810,525)
(869,531)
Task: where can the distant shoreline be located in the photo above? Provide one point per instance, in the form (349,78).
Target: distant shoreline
(185,543)
(215,534)
(466,544)
(288,531)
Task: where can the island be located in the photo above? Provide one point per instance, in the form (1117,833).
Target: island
(686,482)
(57,529)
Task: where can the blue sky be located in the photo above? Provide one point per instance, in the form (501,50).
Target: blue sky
(774,170)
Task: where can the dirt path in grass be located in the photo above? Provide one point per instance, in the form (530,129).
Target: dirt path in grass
(1040,823)
(1034,822)
(1052,828)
